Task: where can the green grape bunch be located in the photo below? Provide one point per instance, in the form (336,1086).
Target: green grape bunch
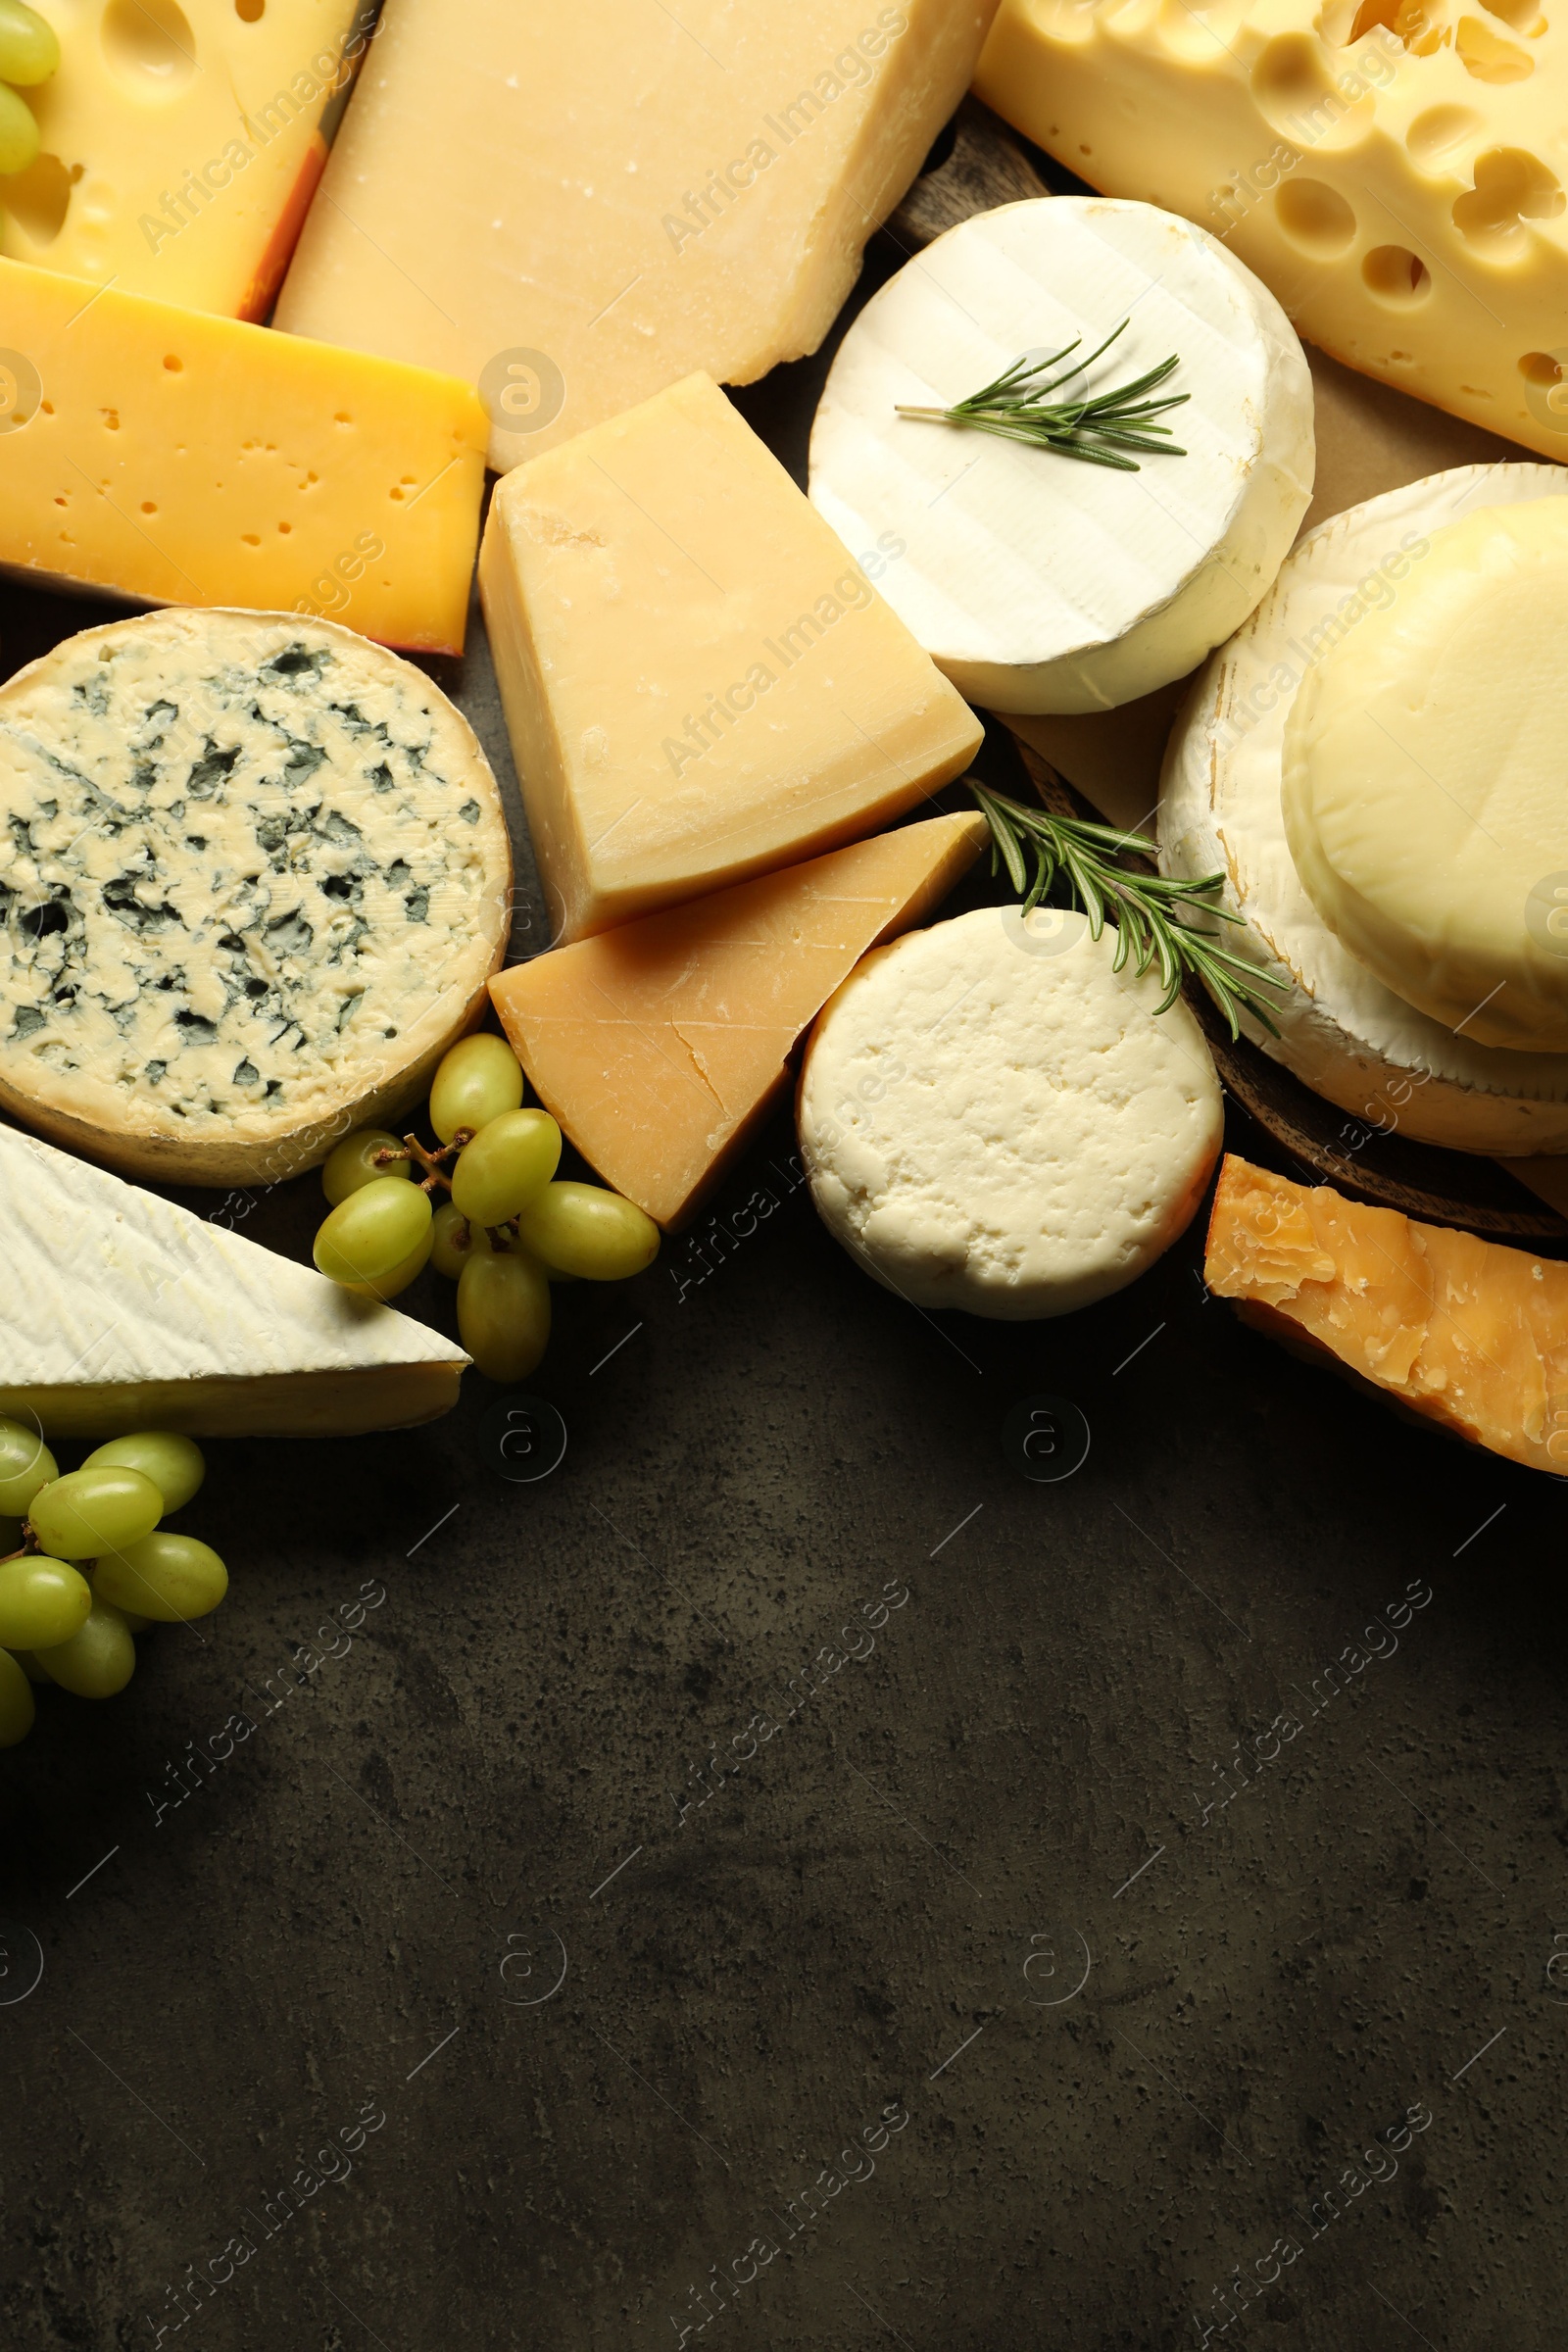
(29,53)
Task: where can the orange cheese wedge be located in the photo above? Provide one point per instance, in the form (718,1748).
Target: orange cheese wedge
(1468,1333)
(661,1046)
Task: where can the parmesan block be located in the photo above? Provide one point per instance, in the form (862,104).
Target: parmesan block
(1470,1334)
(1344,1032)
(661,1047)
(176,458)
(1040,582)
(606,203)
(254,877)
(993,1117)
(699,683)
(1394,170)
(120,1312)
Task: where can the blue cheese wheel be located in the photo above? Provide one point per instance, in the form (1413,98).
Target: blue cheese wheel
(254,879)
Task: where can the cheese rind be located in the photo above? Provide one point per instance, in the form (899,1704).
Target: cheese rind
(120,1312)
(661,1046)
(699,683)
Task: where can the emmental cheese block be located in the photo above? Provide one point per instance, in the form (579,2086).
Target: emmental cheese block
(119,1311)
(1468,1333)
(575,208)
(700,681)
(660,1047)
(180,459)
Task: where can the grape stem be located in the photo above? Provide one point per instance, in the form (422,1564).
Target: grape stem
(430,1161)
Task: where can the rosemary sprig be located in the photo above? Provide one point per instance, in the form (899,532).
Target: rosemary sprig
(1148,910)
(1018,407)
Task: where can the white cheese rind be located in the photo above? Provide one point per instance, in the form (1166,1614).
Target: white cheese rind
(993,1118)
(1039,582)
(1341,1032)
(254,879)
(119,1310)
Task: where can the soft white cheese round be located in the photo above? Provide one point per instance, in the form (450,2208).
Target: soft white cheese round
(1036,581)
(993,1117)
(1343,1031)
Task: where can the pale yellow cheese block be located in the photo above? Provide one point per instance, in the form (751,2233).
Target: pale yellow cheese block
(575,206)
(661,1046)
(700,681)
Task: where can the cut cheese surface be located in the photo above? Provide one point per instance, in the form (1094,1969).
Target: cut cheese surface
(180,459)
(700,681)
(660,1047)
(618,199)
(1395,172)
(1037,582)
(182,146)
(120,1312)
(1469,1332)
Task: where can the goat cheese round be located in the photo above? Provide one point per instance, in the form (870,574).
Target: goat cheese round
(1037,581)
(254,879)
(994,1118)
(1344,1032)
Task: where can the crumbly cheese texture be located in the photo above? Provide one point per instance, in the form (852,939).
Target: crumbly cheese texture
(699,683)
(993,1118)
(1343,1031)
(254,877)
(1035,582)
(119,1311)
(182,146)
(1394,172)
(1424,786)
(1470,1334)
(619,200)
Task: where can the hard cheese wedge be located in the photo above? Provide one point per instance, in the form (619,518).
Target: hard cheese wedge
(194,461)
(661,1046)
(575,208)
(181,145)
(700,682)
(119,1311)
(1470,1334)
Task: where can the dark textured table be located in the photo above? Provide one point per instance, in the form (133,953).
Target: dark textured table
(786,1878)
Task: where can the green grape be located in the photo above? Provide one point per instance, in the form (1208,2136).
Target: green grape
(167,1578)
(42,1602)
(29,51)
(504,1313)
(449,1256)
(174,1463)
(26,1465)
(508,1160)
(97,1661)
(94,1510)
(352,1164)
(16,1708)
(19,132)
(582,1230)
(372,1235)
(407,1270)
(478,1080)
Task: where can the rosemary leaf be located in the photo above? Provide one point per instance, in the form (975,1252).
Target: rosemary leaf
(1096,427)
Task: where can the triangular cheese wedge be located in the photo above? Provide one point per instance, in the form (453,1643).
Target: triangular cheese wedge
(119,1311)
(661,1046)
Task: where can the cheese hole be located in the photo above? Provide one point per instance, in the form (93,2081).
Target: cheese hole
(250,538)
(1201,34)
(111,418)
(1440,130)
(150,45)
(285,528)
(149,507)
(1299,99)
(250,12)
(1396,275)
(1511,187)
(1489,59)
(175,366)
(39,198)
(1520,15)
(1315,217)
(342,417)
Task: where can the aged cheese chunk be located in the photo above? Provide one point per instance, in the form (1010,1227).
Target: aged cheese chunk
(1037,582)
(618,199)
(700,681)
(1394,172)
(994,1118)
(254,877)
(194,461)
(181,145)
(1343,1031)
(1469,1332)
(660,1047)
(119,1311)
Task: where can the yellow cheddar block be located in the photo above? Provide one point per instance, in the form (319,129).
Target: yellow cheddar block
(660,1047)
(1468,1333)
(187,459)
(700,681)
